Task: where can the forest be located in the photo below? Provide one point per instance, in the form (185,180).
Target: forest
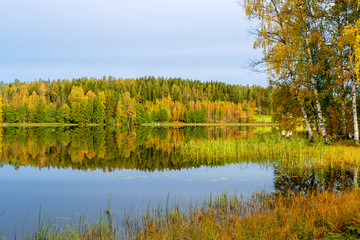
(311,52)
(131,101)
(149,99)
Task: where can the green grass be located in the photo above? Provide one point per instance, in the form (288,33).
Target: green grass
(263,118)
(293,152)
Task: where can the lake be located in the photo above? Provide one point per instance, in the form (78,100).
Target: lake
(65,173)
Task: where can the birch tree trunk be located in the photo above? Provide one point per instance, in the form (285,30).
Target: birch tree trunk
(356,124)
(343,119)
(356,171)
(316,94)
(313,111)
(307,123)
(316,124)
(353,93)
(320,116)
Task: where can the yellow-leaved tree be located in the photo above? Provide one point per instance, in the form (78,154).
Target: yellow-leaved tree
(352,36)
(300,42)
(357,47)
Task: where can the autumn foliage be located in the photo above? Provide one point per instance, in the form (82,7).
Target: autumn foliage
(311,51)
(131,101)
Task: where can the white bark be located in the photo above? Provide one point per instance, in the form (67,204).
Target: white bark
(316,124)
(315,120)
(307,123)
(356,171)
(343,119)
(320,116)
(356,124)
(317,101)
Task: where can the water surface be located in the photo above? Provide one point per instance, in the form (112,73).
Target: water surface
(68,172)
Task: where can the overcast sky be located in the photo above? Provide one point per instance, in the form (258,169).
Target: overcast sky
(196,39)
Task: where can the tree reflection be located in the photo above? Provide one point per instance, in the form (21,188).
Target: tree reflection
(106,148)
(148,149)
(315,179)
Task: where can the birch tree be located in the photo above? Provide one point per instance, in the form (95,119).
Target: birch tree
(298,42)
(346,39)
(276,35)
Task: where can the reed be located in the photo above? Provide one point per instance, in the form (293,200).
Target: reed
(48,228)
(294,152)
(317,215)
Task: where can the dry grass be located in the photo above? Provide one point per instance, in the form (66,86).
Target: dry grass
(322,215)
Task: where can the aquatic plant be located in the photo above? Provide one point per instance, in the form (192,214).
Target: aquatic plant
(318,215)
(293,152)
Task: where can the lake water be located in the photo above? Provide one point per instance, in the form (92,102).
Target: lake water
(69,172)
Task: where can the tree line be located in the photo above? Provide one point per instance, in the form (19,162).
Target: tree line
(131,101)
(311,53)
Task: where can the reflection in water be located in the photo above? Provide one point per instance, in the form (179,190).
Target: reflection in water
(144,148)
(147,149)
(315,179)
(91,148)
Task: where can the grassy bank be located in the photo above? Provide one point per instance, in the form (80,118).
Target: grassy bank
(263,118)
(325,215)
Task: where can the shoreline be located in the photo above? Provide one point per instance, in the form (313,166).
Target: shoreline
(167,124)
(259,124)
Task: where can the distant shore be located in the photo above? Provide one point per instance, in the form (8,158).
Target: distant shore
(165,124)
(38,124)
(170,124)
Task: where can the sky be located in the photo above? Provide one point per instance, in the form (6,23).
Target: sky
(206,40)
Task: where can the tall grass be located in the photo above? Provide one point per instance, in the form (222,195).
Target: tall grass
(296,151)
(48,228)
(318,215)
